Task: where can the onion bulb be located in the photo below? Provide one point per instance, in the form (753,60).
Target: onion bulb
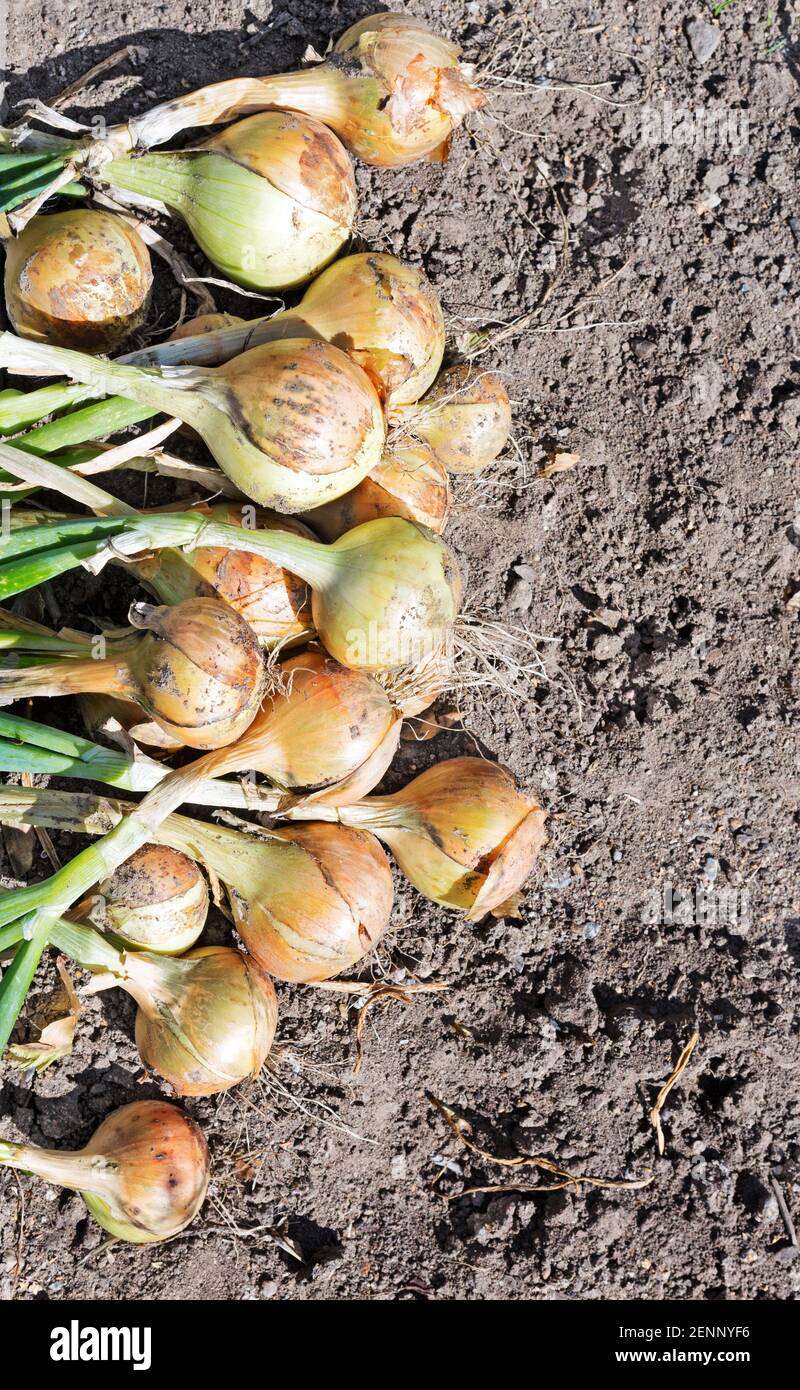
(269,200)
(206,1020)
(391,89)
(408,482)
(157,901)
(465,418)
(382,313)
(308,901)
(196,669)
(275,603)
(78,279)
(143,1175)
(292,423)
(462,832)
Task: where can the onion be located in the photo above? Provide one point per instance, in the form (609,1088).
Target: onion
(274,602)
(269,200)
(292,423)
(143,1175)
(308,901)
(196,669)
(328,735)
(382,313)
(203,323)
(79,279)
(206,1020)
(156,900)
(465,418)
(462,832)
(393,90)
(408,482)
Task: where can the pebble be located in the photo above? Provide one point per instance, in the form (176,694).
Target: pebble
(591,930)
(711,868)
(703,39)
(520,595)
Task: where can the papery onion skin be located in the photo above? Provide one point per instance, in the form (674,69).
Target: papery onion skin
(270,200)
(228,1012)
(465,419)
(77,279)
(163,1170)
(143,1175)
(203,323)
(157,900)
(409,482)
(272,601)
(325,912)
(428,91)
(199,670)
(309,419)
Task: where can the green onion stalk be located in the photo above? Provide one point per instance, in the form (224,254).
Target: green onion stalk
(31,747)
(28,916)
(384,595)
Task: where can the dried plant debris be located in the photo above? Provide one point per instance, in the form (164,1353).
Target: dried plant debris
(680,1067)
(462,1130)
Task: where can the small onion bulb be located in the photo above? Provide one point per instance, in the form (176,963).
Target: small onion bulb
(157,900)
(78,279)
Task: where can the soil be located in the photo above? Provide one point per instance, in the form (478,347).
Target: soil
(658,573)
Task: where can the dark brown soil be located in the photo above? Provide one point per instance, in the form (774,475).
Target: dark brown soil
(659,573)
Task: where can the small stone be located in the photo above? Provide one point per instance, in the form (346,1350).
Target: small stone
(703,39)
(710,868)
(591,930)
(520,595)
(643,348)
(525,571)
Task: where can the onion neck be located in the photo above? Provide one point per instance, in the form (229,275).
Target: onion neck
(177,397)
(316,563)
(375,813)
(162,178)
(319,91)
(78,1171)
(109,676)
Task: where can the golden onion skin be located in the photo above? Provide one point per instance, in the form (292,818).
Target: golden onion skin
(409,482)
(203,323)
(462,832)
(384,314)
(465,418)
(325,912)
(332,410)
(199,671)
(78,279)
(157,900)
(272,601)
(227,1012)
(161,1173)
